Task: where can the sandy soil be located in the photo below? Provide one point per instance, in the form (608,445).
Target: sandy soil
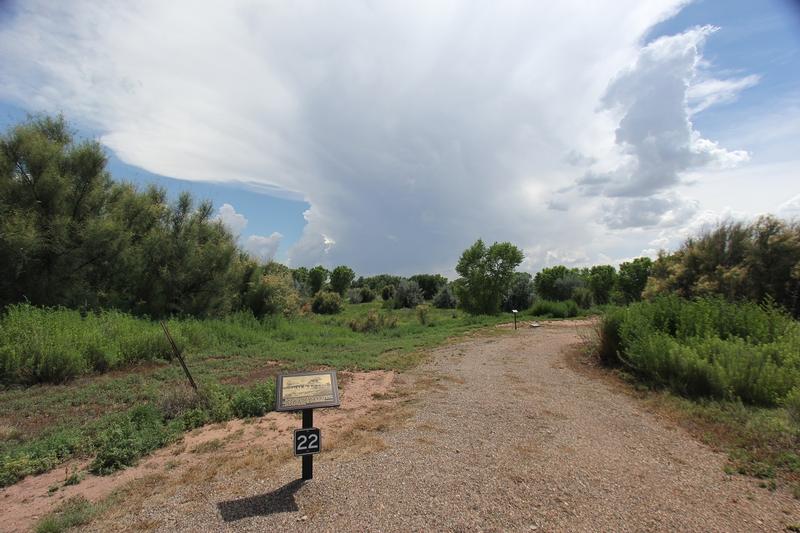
(22,504)
(496,433)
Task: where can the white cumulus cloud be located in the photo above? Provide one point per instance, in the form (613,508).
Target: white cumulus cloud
(263,247)
(235,222)
(411,128)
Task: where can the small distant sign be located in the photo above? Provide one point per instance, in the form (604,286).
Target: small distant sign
(307,441)
(306,390)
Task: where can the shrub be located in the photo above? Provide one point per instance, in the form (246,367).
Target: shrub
(548,308)
(175,401)
(367,294)
(609,337)
(341,278)
(422,314)
(326,303)
(583,297)
(445,298)
(707,348)
(254,401)
(273,294)
(387,292)
(408,294)
(354,296)
(373,323)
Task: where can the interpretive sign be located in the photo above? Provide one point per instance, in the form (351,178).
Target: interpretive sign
(306,390)
(307,441)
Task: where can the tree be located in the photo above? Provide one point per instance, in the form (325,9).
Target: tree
(317,277)
(429,283)
(601,281)
(520,294)
(341,278)
(486,275)
(633,277)
(545,281)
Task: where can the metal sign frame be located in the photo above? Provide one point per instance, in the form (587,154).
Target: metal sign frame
(279,391)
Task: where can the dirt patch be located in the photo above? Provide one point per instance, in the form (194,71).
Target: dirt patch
(202,454)
(263,371)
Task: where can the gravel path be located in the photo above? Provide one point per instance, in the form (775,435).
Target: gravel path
(514,441)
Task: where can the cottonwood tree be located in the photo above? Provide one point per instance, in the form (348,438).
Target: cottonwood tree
(486,276)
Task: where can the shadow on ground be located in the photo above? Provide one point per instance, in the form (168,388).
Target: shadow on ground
(278,501)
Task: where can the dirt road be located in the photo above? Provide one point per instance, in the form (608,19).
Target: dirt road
(505,437)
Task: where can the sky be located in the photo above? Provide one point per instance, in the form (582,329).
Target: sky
(389,136)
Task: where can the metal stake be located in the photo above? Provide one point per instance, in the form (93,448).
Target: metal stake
(308,460)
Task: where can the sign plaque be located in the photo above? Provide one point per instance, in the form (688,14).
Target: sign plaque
(307,441)
(306,390)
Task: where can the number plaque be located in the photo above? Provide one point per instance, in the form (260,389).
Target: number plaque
(307,441)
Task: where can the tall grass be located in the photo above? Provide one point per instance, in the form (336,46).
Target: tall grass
(707,347)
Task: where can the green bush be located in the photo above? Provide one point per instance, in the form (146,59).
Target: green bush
(387,292)
(373,323)
(583,297)
(707,347)
(445,298)
(326,303)
(408,294)
(367,295)
(551,309)
(792,404)
(423,312)
(354,296)
(254,401)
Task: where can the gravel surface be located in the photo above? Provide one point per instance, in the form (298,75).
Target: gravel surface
(514,440)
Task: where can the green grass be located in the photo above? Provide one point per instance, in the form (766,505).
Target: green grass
(74,512)
(143,403)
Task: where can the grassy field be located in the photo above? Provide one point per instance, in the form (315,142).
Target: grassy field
(130,406)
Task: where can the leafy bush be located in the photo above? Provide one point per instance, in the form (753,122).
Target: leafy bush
(354,296)
(566,286)
(387,292)
(273,294)
(254,401)
(707,347)
(408,294)
(548,308)
(373,322)
(583,297)
(326,303)
(367,294)
(792,404)
(341,278)
(486,276)
(609,337)
(445,298)
(130,436)
(429,283)
(423,311)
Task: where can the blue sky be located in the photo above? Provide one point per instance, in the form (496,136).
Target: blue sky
(391,136)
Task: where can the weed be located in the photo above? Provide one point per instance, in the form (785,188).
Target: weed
(74,512)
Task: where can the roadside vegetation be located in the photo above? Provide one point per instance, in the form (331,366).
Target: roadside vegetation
(718,340)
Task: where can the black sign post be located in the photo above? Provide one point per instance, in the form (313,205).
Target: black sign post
(308,460)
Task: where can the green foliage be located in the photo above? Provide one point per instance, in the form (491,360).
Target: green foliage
(55,345)
(633,277)
(551,309)
(792,404)
(710,348)
(423,314)
(520,294)
(486,276)
(326,303)
(387,292)
(545,282)
(272,294)
(374,322)
(74,512)
(254,401)
(129,437)
(429,283)
(39,456)
(583,296)
(377,283)
(445,298)
(317,277)
(367,294)
(408,294)
(354,296)
(609,336)
(736,261)
(602,279)
(341,278)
